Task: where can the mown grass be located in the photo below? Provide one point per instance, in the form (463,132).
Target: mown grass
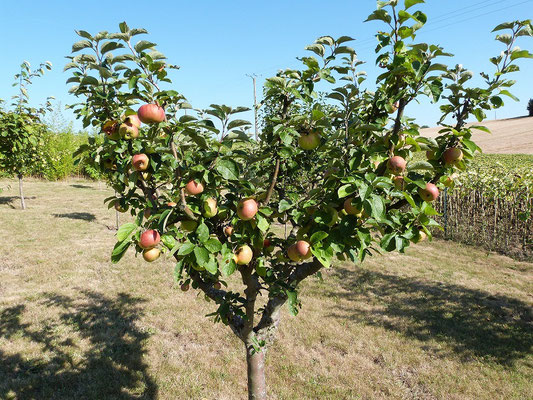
(444,321)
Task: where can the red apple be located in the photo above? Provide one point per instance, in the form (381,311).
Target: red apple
(194,188)
(151,113)
(452,156)
(151,254)
(304,249)
(246,209)
(217,285)
(185,287)
(128,131)
(267,243)
(172,204)
(140,162)
(396,165)
(149,239)
(133,119)
(243,255)
(309,141)
(292,252)
(120,208)
(228,230)
(429,193)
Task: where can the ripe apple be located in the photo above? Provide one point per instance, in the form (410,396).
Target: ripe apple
(151,254)
(353,206)
(172,204)
(194,188)
(292,253)
(429,193)
(304,249)
(110,130)
(133,119)
(128,131)
(246,209)
(399,182)
(217,285)
(147,213)
(452,156)
(396,165)
(228,230)
(267,242)
(149,239)
(185,287)
(189,225)
(309,141)
(243,255)
(151,114)
(140,162)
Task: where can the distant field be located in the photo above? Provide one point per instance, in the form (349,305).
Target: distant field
(509,136)
(444,321)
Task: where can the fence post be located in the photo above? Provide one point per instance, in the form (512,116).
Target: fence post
(446,213)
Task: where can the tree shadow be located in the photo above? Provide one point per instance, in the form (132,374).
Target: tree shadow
(9,200)
(102,358)
(89,217)
(472,322)
(78,186)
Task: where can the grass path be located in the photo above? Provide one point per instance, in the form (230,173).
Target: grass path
(444,321)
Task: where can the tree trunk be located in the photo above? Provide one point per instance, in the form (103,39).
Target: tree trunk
(256,374)
(22,202)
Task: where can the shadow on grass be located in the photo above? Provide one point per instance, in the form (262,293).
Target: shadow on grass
(9,200)
(78,186)
(109,365)
(472,322)
(77,215)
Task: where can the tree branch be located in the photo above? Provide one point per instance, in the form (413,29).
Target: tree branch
(272,183)
(266,328)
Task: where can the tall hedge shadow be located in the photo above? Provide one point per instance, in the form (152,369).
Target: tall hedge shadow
(109,366)
(474,323)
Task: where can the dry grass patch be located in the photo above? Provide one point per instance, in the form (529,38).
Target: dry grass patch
(444,321)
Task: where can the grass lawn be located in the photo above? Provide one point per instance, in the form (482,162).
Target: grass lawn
(443,321)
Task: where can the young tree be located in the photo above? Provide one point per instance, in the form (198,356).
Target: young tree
(209,197)
(21,127)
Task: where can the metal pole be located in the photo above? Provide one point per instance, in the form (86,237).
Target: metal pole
(254,76)
(446,213)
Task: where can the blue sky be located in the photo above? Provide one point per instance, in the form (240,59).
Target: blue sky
(216,43)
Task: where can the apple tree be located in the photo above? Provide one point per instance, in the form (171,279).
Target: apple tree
(342,175)
(21,127)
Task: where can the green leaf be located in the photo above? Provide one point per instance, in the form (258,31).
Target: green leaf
(213,245)
(420,166)
(82,44)
(186,248)
(346,190)
(380,15)
(410,3)
(378,206)
(317,237)
(292,302)
(520,54)
(228,169)
(143,45)
(211,266)
(202,256)
(109,46)
(168,241)
(324,256)
(236,123)
(262,223)
(125,231)
(119,250)
(284,205)
(229,267)
(202,231)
